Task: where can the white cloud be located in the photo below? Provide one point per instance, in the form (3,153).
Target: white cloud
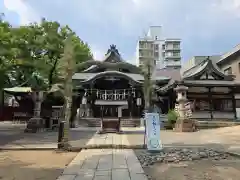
(25,12)
(98,54)
(203,25)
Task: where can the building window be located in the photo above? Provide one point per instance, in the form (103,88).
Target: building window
(222,105)
(228,71)
(163,54)
(156,47)
(156,38)
(156,54)
(176,54)
(141,44)
(163,46)
(201,105)
(237,103)
(175,46)
(169,54)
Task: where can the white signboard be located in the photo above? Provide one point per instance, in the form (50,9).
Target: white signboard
(238,113)
(119,112)
(153,132)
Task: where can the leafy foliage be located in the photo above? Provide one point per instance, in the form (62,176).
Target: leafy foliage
(148,85)
(172,116)
(29,55)
(66,69)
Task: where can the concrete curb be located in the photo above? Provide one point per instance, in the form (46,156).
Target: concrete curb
(233,154)
(26,149)
(78,149)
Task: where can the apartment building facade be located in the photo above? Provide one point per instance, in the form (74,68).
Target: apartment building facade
(153,49)
(228,63)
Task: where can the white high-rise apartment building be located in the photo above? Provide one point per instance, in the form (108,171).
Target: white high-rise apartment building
(159,52)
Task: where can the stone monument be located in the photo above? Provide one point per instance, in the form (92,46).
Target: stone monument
(183,123)
(36,123)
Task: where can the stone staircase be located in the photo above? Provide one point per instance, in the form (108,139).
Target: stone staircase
(96,122)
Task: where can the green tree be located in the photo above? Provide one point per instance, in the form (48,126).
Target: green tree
(7,53)
(42,44)
(66,69)
(52,46)
(29,55)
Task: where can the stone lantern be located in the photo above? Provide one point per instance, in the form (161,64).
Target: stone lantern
(183,123)
(36,123)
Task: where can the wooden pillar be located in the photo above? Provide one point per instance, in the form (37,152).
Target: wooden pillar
(234,103)
(210,102)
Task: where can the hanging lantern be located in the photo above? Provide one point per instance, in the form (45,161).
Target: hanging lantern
(139,101)
(84,98)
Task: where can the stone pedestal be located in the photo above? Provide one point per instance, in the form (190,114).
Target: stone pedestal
(36,123)
(183,123)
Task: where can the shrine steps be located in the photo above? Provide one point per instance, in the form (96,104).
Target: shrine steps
(96,122)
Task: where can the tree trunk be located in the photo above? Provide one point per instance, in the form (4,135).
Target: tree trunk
(67,110)
(1,104)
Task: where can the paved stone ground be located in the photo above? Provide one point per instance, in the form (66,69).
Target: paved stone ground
(99,164)
(222,138)
(104,164)
(12,136)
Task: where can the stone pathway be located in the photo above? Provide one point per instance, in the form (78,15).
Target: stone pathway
(116,139)
(105,164)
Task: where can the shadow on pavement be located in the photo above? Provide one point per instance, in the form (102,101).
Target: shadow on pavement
(14,136)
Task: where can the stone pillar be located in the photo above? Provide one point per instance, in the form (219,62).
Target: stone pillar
(183,123)
(36,123)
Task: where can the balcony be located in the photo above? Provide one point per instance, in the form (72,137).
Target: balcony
(177,57)
(146,54)
(172,48)
(172,63)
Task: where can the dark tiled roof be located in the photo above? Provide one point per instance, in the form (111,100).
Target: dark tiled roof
(112,56)
(174,74)
(203,66)
(136,77)
(221,83)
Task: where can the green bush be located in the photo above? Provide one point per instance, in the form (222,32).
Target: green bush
(172,116)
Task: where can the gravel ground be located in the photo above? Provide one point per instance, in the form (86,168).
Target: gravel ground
(32,165)
(189,164)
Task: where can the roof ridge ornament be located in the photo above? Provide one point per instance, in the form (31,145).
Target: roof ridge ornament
(113,49)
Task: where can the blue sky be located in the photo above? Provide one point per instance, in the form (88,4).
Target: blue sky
(206,27)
